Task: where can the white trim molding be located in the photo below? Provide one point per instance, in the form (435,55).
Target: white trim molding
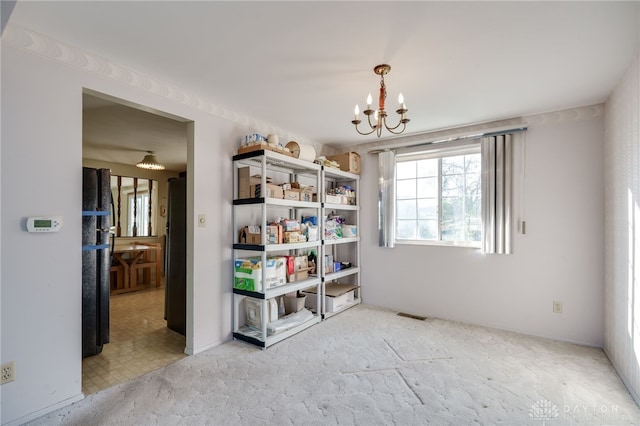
(41,45)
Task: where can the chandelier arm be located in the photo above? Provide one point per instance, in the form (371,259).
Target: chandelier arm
(373,126)
(391,129)
(364,134)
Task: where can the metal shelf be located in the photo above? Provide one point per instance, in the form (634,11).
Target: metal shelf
(275,338)
(280,290)
(277,202)
(341,241)
(341,274)
(277,162)
(334,174)
(332,178)
(276,247)
(343,308)
(332,206)
(270,164)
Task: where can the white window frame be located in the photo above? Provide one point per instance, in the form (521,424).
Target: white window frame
(466,148)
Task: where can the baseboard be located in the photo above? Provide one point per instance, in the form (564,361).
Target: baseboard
(193,351)
(45,411)
(624,381)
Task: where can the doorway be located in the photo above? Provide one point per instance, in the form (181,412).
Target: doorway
(117,135)
(140,342)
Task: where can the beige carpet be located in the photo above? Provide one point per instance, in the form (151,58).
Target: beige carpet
(368,366)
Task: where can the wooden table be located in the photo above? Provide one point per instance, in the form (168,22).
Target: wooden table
(133,257)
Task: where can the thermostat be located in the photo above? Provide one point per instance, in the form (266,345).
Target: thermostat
(44,224)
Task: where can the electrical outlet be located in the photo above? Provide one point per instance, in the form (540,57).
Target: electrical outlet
(8,372)
(557,307)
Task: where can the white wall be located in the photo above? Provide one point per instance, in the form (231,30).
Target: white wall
(622,232)
(40,280)
(560,257)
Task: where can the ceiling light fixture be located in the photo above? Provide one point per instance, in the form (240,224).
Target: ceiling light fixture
(150,162)
(380,115)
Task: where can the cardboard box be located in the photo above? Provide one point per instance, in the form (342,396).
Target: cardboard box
(250,235)
(246,181)
(306,193)
(294,237)
(337,295)
(273,236)
(340,199)
(298,276)
(257,146)
(298,268)
(328,263)
(349,161)
(332,199)
(292,194)
(273,191)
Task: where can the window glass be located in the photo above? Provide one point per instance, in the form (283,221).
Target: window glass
(406,209)
(406,170)
(406,189)
(438,198)
(427,187)
(140,219)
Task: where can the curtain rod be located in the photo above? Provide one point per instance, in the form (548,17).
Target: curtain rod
(454,139)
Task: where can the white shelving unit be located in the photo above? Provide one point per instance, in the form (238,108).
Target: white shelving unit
(260,211)
(346,249)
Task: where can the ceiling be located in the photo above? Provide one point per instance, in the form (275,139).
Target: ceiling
(302,66)
(122,134)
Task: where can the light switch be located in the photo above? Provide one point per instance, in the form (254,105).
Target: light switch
(202,220)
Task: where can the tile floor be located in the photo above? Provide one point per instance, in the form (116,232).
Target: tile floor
(140,342)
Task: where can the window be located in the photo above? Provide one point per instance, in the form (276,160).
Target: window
(138,217)
(438,197)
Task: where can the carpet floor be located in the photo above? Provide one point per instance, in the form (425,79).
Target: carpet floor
(369,366)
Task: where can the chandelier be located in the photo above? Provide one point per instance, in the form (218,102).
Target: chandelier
(379,119)
(150,162)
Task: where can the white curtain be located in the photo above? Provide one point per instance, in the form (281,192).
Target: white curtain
(497,178)
(386,198)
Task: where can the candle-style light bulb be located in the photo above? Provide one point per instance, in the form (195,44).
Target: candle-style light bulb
(369,100)
(356,111)
(401,101)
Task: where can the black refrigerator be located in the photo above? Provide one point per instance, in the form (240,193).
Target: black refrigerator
(96,259)
(176,256)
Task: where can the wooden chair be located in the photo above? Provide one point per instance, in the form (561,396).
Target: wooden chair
(116,278)
(142,268)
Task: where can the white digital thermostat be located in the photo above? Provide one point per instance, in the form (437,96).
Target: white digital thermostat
(44,224)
